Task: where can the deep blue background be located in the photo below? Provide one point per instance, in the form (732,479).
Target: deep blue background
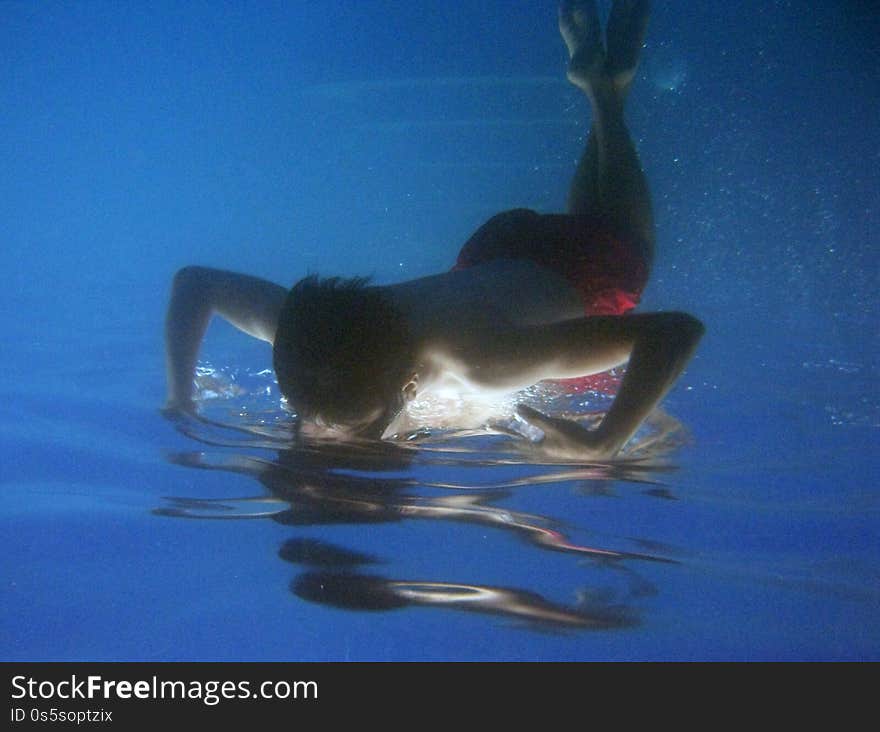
(282,138)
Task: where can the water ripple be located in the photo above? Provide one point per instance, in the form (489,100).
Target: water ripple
(428,477)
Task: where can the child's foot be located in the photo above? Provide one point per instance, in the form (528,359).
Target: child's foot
(625,36)
(580,29)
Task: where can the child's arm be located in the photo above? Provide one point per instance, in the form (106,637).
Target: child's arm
(657,346)
(250,304)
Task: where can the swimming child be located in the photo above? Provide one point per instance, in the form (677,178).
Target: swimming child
(531,297)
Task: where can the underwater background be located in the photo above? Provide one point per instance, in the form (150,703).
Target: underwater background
(284,138)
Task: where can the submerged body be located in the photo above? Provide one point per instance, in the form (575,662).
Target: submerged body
(531,297)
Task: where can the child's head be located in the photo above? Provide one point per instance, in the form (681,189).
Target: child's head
(342,353)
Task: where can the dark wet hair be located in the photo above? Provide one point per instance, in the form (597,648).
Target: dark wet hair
(342,350)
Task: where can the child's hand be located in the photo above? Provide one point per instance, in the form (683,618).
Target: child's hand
(565,439)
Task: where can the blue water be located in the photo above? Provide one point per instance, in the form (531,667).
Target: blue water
(279,139)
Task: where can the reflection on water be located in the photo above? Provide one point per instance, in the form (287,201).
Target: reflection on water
(307,483)
(367,592)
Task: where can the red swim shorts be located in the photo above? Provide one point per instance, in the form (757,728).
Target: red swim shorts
(607,270)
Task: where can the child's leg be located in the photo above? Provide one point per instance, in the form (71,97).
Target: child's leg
(609,182)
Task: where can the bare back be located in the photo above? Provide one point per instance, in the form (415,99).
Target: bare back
(496,294)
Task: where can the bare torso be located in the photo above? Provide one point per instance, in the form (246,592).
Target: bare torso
(449,311)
